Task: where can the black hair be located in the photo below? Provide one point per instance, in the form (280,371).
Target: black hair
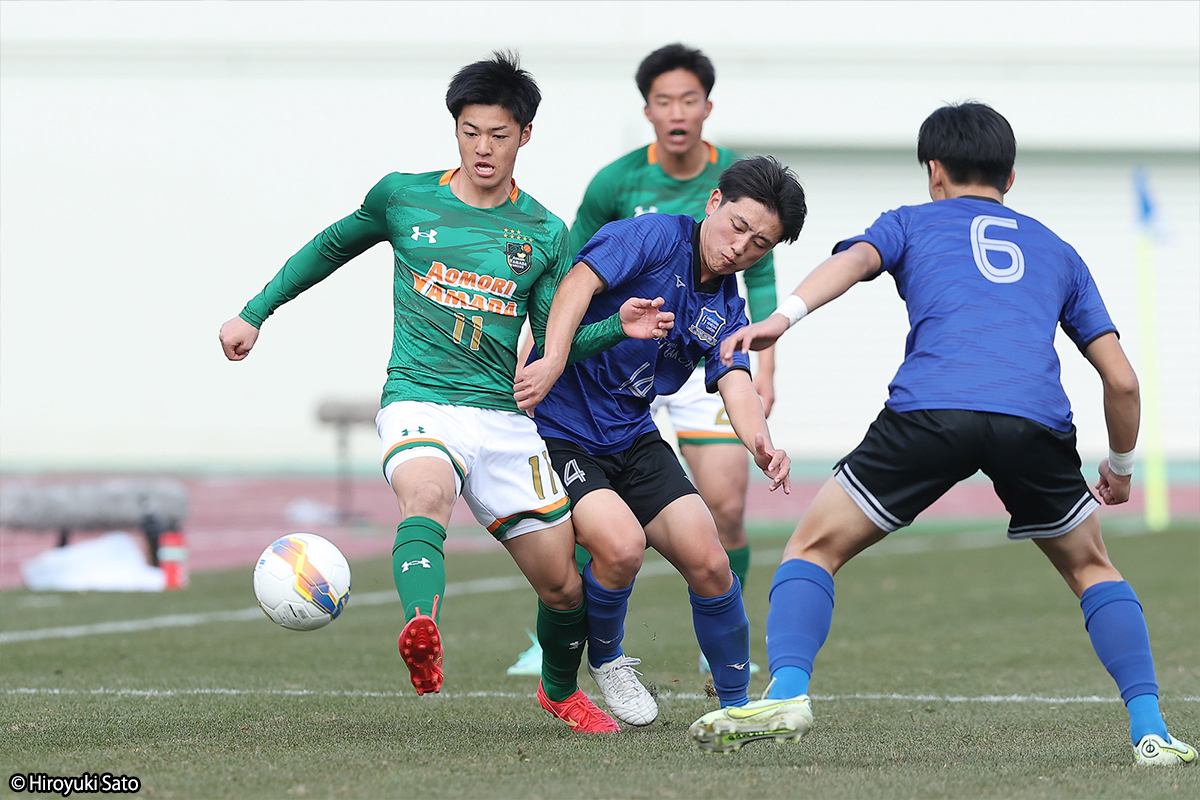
(764,179)
(671,57)
(973,142)
(497,81)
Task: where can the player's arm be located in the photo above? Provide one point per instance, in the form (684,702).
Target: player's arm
(316,261)
(761,300)
(555,314)
(554,331)
(1122,414)
(745,412)
(832,278)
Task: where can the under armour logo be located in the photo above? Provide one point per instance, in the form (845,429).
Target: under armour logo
(430,234)
(420,562)
(638,211)
(420,429)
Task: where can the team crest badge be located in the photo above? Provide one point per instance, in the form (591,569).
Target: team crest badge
(707,325)
(518,255)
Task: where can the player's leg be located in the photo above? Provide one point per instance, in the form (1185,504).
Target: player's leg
(1116,624)
(546,558)
(1036,473)
(514,492)
(419,445)
(905,462)
(608,529)
(687,537)
(719,464)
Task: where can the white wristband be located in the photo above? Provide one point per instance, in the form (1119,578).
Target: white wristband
(1120,463)
(793,309)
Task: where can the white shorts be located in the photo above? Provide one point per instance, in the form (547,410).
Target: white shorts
(499,461)
(697,416)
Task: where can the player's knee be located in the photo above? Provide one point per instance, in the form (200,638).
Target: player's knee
(564,594)
(619,562)
(710,576)
(426,499)
(728,515)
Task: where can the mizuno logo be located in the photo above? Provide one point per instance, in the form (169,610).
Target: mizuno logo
(605,641)
(430,234)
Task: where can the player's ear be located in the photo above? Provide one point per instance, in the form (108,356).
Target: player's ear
(1012,176)
(714,200)
(937,180)
(525,135)
(707,108)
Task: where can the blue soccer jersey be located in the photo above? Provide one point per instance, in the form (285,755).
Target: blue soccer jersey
(603,402)
(986,289)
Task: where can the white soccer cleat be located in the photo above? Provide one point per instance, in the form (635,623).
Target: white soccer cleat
(623,693)
(1154,751)
(727,729)
(530,661)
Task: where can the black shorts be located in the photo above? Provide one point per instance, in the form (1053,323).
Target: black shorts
(647,475)
(909,459)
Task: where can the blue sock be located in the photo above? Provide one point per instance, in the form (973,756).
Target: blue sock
(724,636)
(606,618)
(788,682)
(1115,622)
(797,624)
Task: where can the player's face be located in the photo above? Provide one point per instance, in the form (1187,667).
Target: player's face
(735,235)
(488,138)
(677,107)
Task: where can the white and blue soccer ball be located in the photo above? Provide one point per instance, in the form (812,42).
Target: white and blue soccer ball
(302,582)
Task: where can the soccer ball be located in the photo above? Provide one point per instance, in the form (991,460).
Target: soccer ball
(302,582)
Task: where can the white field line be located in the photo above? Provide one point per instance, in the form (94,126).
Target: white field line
(481,586)
(900,546)
(903,698)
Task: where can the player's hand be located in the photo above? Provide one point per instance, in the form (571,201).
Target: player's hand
(765,386)
(535,382)
(1112,488)
(758,336)
(237,337)
(643,319)
(775,464)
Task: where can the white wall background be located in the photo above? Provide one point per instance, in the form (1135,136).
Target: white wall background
(159,161)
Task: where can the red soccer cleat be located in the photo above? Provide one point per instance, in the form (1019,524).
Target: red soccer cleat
(579,712)
(421,648)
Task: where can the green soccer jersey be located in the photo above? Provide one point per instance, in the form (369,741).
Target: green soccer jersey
(465,279)
(636,184)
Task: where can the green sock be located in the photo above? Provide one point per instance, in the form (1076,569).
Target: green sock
(562,635)
(582,557)
(739,562)
(419,566)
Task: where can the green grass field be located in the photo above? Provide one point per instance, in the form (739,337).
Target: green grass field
(932,632)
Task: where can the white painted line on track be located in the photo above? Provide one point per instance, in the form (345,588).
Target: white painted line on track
(905,698)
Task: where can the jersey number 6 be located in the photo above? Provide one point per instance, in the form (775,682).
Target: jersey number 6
(982,247)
